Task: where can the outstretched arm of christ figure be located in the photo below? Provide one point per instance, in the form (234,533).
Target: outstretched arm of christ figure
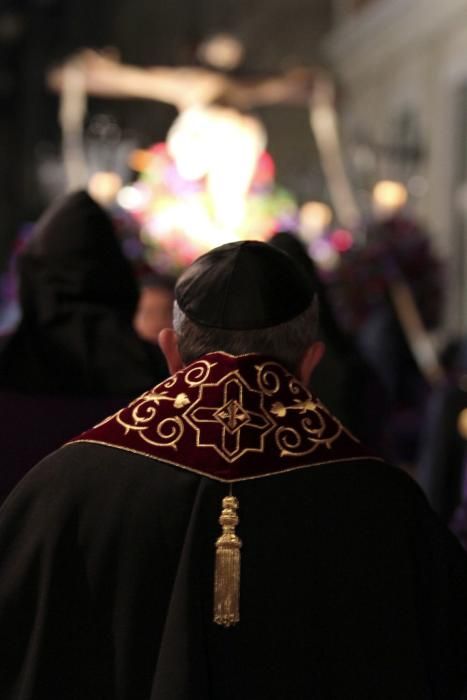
(190,86)
(103,76)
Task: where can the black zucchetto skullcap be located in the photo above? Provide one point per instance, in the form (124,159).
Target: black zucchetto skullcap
(243,286)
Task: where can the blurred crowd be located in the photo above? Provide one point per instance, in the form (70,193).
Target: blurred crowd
(79,325)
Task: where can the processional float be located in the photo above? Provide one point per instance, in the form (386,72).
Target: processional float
(214,110)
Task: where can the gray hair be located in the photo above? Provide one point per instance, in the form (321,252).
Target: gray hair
(286,343)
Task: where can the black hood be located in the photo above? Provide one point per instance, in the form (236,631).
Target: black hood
(74,260)
(78,296)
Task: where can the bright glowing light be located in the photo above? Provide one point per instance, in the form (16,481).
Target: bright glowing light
(315,217)
(103,186)
(341,240)
(188,143)
(223,146)
(389,197)
(232,167)
(237,198)
(132,197)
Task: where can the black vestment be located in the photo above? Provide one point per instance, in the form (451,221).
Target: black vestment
(350,586)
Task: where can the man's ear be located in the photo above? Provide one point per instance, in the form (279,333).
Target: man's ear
(168,343)
(310,360)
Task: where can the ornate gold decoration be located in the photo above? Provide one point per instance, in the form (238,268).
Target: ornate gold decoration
(278,408)
(227,567)
(234,429)
(294,443)
(181,400)
(199,372)
(231,416)
(171,381)
(165,433)
(268,380)
(295,387)
(318,427)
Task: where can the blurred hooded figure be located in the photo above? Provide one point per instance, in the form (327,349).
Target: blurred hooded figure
(78,296)
(74,355)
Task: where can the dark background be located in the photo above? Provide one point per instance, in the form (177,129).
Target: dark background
(34,34)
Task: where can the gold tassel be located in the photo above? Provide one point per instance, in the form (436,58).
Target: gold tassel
(227,569)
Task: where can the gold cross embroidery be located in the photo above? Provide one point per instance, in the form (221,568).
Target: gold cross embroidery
(230,429)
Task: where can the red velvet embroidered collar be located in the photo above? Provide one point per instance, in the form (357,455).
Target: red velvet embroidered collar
(231,419)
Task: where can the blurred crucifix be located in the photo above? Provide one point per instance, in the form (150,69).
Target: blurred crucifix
(215,137)
(213,119)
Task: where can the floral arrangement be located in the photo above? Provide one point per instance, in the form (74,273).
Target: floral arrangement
(175,215)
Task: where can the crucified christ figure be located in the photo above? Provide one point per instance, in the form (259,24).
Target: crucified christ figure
(212,113)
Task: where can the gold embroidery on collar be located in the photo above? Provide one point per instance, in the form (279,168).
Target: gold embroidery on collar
(144,410)
(232,419)
(268,381)
(278,408)
(197,374)
(223,420)
(290,441)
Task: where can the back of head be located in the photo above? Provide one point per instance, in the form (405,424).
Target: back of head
(245,297)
